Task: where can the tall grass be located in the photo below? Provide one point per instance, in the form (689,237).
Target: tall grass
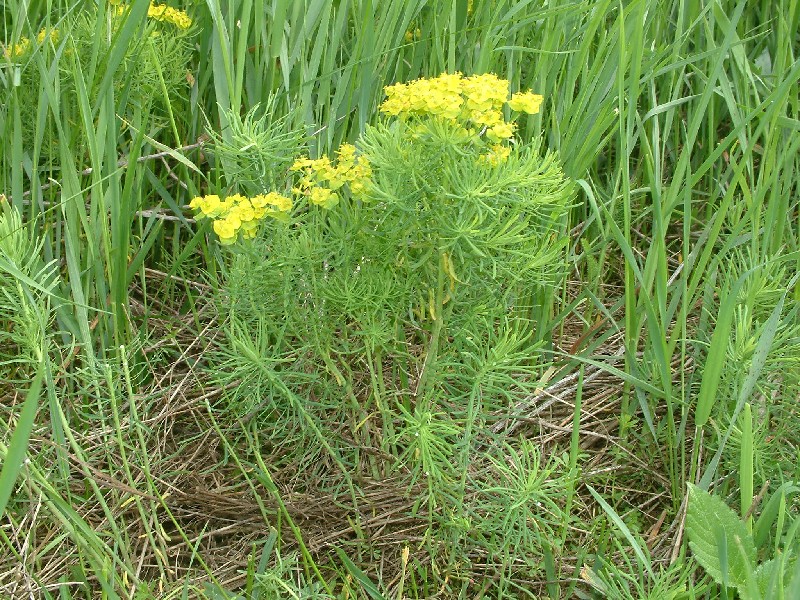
(680,123)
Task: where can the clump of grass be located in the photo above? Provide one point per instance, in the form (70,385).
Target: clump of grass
(152,64)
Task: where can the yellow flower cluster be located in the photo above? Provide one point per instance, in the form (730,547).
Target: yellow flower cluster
(526,102)
(44,34)
(167,14)
(238,213)
(321,178)
(476,102)
(159,12)
(413,35)
(16,50)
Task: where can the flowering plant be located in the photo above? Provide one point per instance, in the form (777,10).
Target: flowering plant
(408,267)
(448,191)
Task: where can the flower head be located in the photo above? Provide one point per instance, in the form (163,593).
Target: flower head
(18,49)
(324,197)
(321,177)
(209,206)
(497,154)
(272,204)
(226,229)
(526,102)
(239,214)
(47,34)
(475,102)
(501,131)
(167,14)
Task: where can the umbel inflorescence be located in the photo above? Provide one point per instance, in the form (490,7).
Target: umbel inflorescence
(167,14)
(238,214)
(475,102)
(320,178)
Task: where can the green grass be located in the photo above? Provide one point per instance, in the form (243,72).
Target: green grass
(176,423)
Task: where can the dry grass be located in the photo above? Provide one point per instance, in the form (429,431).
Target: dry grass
(208,508)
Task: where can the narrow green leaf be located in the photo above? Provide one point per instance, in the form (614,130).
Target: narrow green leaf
(366,583)
(756,366)
(793,589)
(18,446)
(644,561)
(746,465)
(769,512)
(768,576)
(715,359)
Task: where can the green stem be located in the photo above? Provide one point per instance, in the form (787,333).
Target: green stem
(573,455)
(375,366)
(438,324)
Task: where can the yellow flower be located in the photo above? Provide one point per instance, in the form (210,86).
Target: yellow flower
(498,154)
(323,197)
(486,89)
(240,214)
(321,178)
(472,102)
(395,105)
(51,34)
(359,188)
(167,14)
(209,206)
(281,203)
(301,163)
(489,118)
(313,171)
(243,211)
(500,132)
(346,153)
(271,201)
(249,229)
(410,36)
(15,50)
(526,102)
(226,229)
(501,152)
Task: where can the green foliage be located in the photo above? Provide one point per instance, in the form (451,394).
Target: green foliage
(413,303)
(145,74)
(719,540)
(255,151)
(443,247)
(724,547)
(625,582)
(270,579)
(516,512)
(375,356)
(27,287)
